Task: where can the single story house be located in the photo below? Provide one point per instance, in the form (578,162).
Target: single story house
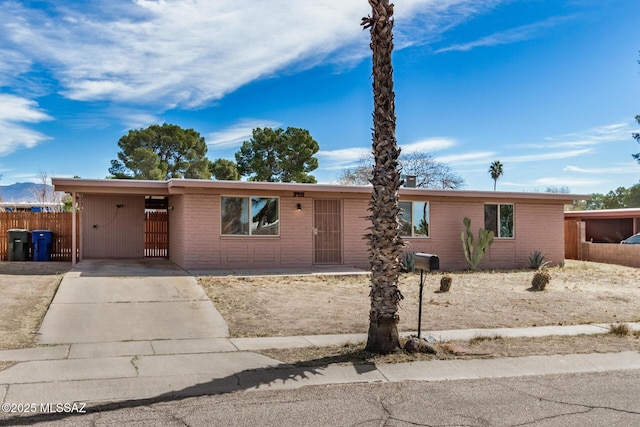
(607,225)
(236,225)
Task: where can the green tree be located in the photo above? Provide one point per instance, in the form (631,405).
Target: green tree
(385,243)
(223,169)
(612,200)
(161,152)
(632,198)
(277,155)
(495,170)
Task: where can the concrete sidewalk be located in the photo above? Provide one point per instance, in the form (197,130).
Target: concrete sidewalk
(166,369)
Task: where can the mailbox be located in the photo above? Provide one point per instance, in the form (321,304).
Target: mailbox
(426,262)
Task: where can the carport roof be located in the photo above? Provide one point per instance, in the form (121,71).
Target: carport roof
(604,213)
(180,186)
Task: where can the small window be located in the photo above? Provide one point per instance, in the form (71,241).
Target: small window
(250,216)
(499,219)
(414,219)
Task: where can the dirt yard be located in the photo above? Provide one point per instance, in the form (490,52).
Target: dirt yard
(26,290)
(580,292)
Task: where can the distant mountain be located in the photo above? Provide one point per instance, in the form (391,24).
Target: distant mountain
(20,192)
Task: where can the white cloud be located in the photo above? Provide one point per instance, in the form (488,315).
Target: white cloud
(14,112)
(594,136)
(632,168)
(428,145)
(545,156)
(234,135)
(186,53)
(342,158)
(513,35)
(468,158)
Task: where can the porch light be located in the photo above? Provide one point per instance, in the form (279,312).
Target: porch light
(299,206)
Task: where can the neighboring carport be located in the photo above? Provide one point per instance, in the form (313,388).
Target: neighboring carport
(606,225)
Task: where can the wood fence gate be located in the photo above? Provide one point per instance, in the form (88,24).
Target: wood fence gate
(571,239)
(156,234)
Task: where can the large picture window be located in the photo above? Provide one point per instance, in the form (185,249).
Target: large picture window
(499,219)
(414,219)
(250,216)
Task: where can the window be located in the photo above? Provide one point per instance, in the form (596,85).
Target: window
(264,213)
(499,219)
(414,219)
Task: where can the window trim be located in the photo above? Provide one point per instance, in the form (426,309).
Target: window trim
(249,235)
(513,225)
(412,236)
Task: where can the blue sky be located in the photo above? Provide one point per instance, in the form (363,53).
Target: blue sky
(548,87)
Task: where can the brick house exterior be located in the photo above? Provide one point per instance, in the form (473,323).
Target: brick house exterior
(236,225)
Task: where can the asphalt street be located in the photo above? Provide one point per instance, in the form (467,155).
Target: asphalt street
(593,399)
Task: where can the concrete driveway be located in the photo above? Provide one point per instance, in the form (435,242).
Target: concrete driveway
(102,301)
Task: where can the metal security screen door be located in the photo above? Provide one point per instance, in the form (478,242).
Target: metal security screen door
(327,231)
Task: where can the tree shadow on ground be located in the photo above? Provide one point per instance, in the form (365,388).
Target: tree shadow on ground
(259,379)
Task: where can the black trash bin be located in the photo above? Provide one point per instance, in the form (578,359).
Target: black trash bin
(41,241)
(18,244)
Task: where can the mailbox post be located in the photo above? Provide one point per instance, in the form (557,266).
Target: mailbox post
(424,262)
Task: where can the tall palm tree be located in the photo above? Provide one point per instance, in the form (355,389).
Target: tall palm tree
(495,170)
(384,239)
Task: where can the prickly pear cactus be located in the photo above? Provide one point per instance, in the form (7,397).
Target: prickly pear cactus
(474,253)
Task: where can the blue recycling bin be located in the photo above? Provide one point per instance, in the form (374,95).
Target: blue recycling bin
(41,242)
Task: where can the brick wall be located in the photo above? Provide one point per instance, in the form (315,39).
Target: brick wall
(611,253)
(196,243)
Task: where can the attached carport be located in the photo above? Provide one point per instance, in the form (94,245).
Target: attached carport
(113,215)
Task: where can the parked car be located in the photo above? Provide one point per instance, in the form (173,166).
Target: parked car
(633,240)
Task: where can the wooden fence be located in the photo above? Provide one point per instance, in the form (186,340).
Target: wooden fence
(59,223)
(156,234)
(571,239)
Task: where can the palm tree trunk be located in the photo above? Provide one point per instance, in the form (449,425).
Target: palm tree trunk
(384,239)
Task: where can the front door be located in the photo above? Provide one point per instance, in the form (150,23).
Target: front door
(327,231)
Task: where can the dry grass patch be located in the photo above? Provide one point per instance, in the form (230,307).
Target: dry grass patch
(26,290)
(496,346)
(579,293)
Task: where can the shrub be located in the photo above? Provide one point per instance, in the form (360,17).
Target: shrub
(621,329)
(541,279)
(536,260)
(445,283)
(406,263)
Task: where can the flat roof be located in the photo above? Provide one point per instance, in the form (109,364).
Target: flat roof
(181,186)
(605,213)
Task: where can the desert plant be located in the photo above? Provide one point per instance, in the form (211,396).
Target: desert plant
(541,279)
(621,329)
(536,260)
(474,252)
(445,283)
(407,262)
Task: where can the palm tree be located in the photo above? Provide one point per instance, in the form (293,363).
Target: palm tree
(495,170)
(384,239)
